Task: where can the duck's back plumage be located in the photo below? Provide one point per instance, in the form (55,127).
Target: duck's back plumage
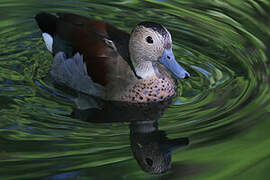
(97,41)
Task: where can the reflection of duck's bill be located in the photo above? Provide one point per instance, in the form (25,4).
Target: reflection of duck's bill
(173,144)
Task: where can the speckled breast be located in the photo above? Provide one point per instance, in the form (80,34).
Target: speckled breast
(150,90)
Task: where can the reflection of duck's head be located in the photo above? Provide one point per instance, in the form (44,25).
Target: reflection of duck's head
(151,148)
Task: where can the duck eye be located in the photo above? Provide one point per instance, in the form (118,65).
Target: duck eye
(149,161)
(149,40)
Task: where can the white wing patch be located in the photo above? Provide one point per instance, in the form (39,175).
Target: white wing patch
(48,41)
(73,73)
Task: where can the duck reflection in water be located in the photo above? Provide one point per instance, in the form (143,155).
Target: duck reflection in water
(150,146)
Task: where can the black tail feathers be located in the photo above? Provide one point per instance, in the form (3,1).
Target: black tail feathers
(46,22)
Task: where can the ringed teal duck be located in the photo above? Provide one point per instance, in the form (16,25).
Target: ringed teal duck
(98,59)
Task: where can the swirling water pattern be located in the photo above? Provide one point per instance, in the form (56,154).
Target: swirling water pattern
(223,108)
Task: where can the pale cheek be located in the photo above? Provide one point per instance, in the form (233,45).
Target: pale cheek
(158,52)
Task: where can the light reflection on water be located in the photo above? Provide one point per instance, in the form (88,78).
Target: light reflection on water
(222,109)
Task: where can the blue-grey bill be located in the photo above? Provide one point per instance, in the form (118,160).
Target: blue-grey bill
(168,60)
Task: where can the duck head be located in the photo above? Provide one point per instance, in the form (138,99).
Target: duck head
(151,43)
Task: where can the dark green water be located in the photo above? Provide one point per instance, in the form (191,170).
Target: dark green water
(223,109)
